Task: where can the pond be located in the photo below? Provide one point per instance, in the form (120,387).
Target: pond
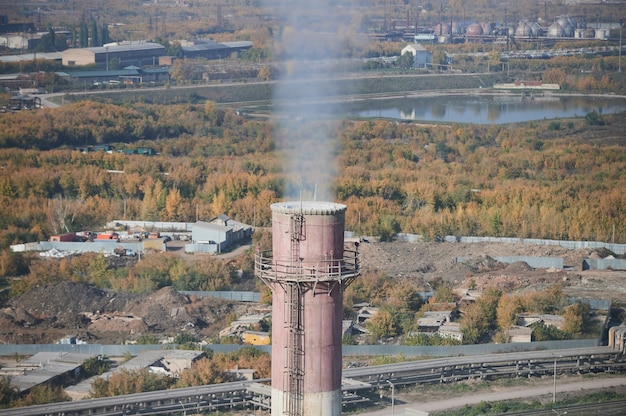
(485,109)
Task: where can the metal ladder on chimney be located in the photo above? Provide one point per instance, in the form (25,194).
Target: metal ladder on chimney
(294,371)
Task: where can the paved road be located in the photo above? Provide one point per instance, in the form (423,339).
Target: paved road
(545,389)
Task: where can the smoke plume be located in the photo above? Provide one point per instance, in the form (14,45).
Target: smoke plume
(308,51)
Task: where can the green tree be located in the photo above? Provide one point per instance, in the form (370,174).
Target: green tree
(406,60)
(94,366)
(439,56)
(98,271)
(543,332)
(147,339)
(8,393)
(95,40)
(84,35)
(47,43)
(594,119)
(494,60)
(104,34)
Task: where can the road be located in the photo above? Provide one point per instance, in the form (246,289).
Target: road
(545,389)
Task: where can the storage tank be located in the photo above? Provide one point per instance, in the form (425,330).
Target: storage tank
(488,28)
(525,30)
(456,29)
(556,31)
(568,24)
(474,29)
(441,29)
(307,271)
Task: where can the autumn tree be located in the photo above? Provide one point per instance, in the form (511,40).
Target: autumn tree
(509,306)
(43,394)
(129,382)
(173,207)
(204,371)
(382,324)
(576,318)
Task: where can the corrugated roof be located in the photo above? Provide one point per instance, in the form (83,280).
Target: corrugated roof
(43,366)
(163,70)
(124,47)
(50,56)
(238,44)
(93,74)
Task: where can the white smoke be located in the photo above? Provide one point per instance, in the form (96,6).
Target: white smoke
(307,51)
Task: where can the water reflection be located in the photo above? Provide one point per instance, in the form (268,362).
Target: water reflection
(486,109)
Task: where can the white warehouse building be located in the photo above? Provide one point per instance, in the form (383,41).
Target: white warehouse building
(421,56)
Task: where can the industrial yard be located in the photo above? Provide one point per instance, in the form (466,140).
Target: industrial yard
(70,308)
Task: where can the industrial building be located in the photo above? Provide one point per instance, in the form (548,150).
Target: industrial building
(218,235)
(128,75)
(127,53)
(563,28)
(45,368)
(307,271)
(209,49)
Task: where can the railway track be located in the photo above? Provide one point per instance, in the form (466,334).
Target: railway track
(359,384)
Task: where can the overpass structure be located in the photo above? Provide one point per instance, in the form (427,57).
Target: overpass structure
(359,385)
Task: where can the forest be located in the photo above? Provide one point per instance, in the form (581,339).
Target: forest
(543,179)
(553,179)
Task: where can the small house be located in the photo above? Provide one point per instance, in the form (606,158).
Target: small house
(422,57)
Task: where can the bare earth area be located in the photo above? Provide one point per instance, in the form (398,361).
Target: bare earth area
(47,313)
(438,261)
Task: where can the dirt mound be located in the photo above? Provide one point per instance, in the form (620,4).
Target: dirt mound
(47,313)
(63,304)
(165,305)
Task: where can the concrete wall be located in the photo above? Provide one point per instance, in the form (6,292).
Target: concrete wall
(571,245)
(239,296)
(534,262)
(604,264)
(348,350)
(157,225)
(202,248)
(92,247)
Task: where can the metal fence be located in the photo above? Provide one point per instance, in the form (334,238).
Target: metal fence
(239,296)
(571,245)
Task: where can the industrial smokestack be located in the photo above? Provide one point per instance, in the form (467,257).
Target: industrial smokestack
(307,271)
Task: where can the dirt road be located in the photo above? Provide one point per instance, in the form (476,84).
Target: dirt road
(543,389)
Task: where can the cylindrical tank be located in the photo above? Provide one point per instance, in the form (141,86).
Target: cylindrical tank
(474,29)
(442,29)
(523,30)
(556,31)
(588,33)
(488,27)
(534,29)
(456,29)
(307,271)
(568,24)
